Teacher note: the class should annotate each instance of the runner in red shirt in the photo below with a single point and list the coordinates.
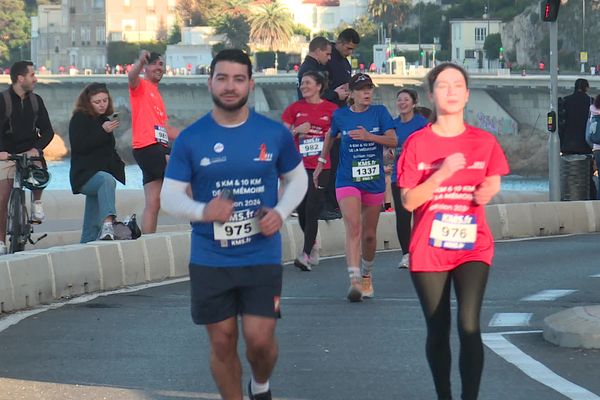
(309, 120)
(447, 173)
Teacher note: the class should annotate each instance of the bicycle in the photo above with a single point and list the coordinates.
(19, 224)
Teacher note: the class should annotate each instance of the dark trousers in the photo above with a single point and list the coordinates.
(403, 220)
(308, 210)
(330, 198)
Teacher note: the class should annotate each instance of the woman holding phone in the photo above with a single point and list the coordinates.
(95, 164)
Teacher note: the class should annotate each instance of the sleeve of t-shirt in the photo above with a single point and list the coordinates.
(408, 175)
(289, 158)
(288, 115)
(498, 165)
(385, 120)
(138, 90)
(179, 166)
(335, 129)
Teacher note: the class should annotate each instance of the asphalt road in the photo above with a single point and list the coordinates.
(143, 345)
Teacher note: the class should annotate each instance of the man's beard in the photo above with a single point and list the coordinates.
(230, 107)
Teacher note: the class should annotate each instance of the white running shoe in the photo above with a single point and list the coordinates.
(303, 262)
(107, 232)
(37, 211)
(404, 261)
(3, 249)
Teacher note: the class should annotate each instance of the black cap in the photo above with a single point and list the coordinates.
(360, 81)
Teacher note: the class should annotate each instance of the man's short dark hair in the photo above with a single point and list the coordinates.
(349, 35)
(232, 55)
(318, 43)
(19, 68)
(581, 85)
(153, 57)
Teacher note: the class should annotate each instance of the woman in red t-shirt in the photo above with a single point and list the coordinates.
(447, 173)
(309, 120)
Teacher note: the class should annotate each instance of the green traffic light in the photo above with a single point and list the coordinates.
(501, 49)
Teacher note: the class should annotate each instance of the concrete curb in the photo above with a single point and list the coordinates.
(576, 327)
(44, 275)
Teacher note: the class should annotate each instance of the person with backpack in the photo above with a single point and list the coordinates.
(592, 134)
(25, 128)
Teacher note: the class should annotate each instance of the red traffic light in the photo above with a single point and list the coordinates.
(549, 9)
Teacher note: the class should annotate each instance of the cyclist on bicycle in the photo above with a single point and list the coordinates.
(25, 129)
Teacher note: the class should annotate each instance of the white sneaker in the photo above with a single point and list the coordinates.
(404, 261)
(37, 211)
(107, 232)
(303, 262)
(3, 249)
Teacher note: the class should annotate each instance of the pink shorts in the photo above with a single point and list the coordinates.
(366, 198)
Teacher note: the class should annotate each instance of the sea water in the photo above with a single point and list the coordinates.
(59, 171)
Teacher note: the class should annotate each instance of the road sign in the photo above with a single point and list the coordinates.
(583, 56)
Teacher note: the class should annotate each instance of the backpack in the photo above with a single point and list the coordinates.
(128, 229)
(592, 131)
(8, 107)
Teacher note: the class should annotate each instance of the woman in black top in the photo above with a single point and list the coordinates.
(95, 164)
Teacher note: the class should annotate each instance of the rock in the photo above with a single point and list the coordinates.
(56, 150)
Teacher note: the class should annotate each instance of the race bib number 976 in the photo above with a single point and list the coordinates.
(453, 232)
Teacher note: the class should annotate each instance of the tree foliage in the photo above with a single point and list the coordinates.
(492, 45)
(14, 28)
(127, 52)
(231, 19)
(390, 13)
(271, 25)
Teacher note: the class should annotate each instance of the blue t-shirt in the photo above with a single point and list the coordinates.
(248, 160)
(361, 163)
(403, 131)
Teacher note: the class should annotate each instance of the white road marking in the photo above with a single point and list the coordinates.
(548, 295)
(533, 368)
(510, 319)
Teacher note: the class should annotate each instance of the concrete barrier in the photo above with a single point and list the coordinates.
(44, 275)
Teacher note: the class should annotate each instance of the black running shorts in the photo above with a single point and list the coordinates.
(221, 293)
(152, 161)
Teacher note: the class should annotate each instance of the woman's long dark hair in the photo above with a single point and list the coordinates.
(84, 103)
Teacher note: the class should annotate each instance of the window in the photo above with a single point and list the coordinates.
(172, 4)
(151, 23)
(127, 4)
(128, 25)
(150, 5)
(100, 35)
(469, 53)
(480, 34)
(99, 4)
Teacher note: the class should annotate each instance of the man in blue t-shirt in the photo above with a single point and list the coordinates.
(233, 158)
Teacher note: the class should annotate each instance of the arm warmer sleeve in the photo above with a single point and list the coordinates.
(295, 186)
(175, 201)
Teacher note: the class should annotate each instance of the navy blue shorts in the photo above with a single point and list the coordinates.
(221, 293)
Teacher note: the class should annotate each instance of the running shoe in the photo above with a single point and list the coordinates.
(303, 262)
(404, 261)
(37, 211)
(3, 249)
(355, 291)
(260, 396)
(107, 232)
(367, 286)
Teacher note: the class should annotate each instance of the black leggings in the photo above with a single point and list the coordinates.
(309, 209)
(403, 219)
(433, 289)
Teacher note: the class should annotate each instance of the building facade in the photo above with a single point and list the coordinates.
(468, 38)
(76, 32)
(326, 15)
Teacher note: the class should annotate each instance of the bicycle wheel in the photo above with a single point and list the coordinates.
(17, 221)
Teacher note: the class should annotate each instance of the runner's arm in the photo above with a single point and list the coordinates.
(134, 74)
(295, 186)
(175, 200)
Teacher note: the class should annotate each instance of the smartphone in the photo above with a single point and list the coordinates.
(114, 116)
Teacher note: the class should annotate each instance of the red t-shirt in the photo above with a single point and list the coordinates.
(450, 229)
(319, 117)
(148, 115)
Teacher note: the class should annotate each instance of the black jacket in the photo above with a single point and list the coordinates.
(309, 64)
(576, 110)
(24, 135)
(340, 71)
(92, 150)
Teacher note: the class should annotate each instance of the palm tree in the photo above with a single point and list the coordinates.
(389, 12)
(272, 25)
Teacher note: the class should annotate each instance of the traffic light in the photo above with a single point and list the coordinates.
(549, 9)
(422, 53)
